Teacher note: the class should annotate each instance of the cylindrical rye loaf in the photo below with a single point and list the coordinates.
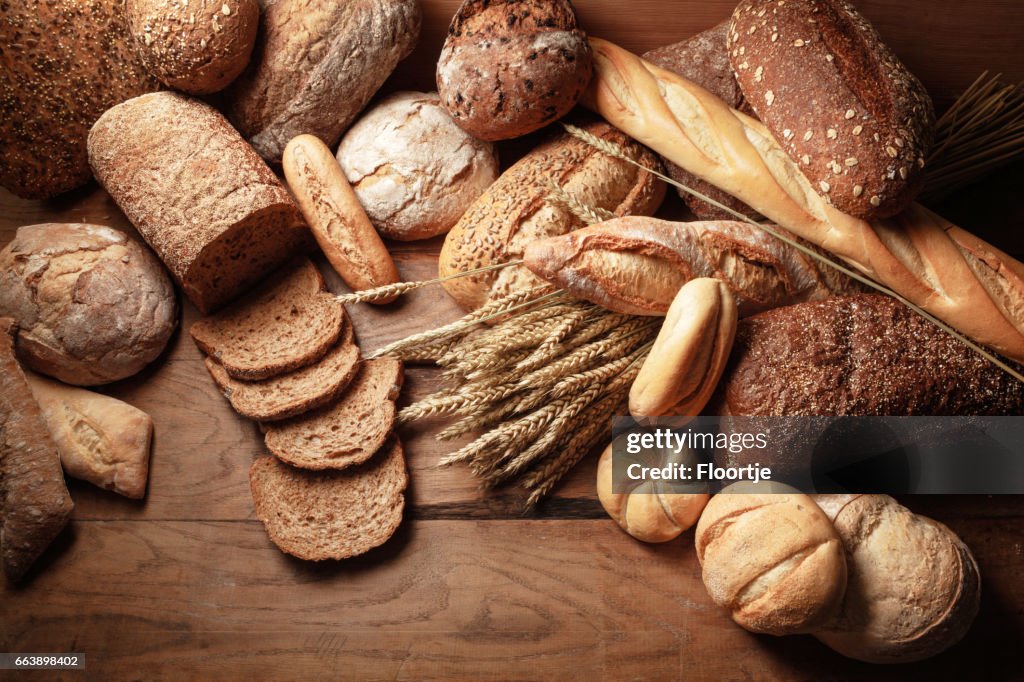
(837, 99)
(196, 47)
(65, 62)
(772, 558)
(414, 170)
(518, 209)
(92, 305)
(316, 65)
(509, 67)
(208, 205)
(913, 588)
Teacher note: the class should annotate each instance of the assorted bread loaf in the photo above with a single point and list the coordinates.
(92, 305)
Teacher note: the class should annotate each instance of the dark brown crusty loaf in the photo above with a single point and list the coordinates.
(840, 103)
(65, 63)
(296, 392)
(210, 207)
(510, 67)
(316, 65)
(858, 355)
(34, 501)
(348, 431)
(286, 324)
(704, 59)
(318, 515)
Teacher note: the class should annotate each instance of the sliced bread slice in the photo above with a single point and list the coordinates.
(317, 515)
(286, 324)
(348, 431)
(296, 392)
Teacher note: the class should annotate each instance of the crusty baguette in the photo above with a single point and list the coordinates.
(339, 223)
(636, 265)
(100, 439)
(952, 274)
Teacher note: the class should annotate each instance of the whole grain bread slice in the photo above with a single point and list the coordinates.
(288, 323)
(34, 501)
(294, 393)
(317, 515)
(346, 432)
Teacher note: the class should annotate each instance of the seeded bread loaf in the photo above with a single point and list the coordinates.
(510, 67)
(286, 324)
(93, 305)
(838, 101)
(208, 205)
(346, 432)
(318, 515)
(315, 67)
(65, 63)
(517, 209)
(34, 502)
(293, 393)
(197, 47)
(100, 439)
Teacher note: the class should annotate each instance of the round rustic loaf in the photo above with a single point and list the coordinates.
(771, 558)
(196, 46)
(517, 209)
(92, 305)
(414, 170)
(839, 102)
(913, 589)
(651, 511)
(510, 67)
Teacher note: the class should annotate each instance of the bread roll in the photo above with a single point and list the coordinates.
(680, 373)
(197, 47)
(913, 588)
(516, 209)
(508, 67)
(93, 306)
(212, 210)
(413, 169)
(651, 511)
(771, 558)
(315, 67)
(837, 100)
(65, 63)
(100, 439)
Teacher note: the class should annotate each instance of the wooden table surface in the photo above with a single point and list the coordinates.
(186, 584)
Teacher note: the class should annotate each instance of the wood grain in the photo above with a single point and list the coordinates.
(186, 585)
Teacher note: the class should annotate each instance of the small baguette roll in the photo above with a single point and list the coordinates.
(682, 370)
(339, 223)
(772, 558)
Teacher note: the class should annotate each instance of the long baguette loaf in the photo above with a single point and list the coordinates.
(952, 274)
(636, 265)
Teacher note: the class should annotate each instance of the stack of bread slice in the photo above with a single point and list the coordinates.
(286, 357)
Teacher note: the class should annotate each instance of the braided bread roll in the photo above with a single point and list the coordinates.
(945, 270)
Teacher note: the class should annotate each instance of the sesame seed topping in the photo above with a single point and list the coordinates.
(787, 133)
(808, 135)
(829, 58)
(226, 10)
(920, 162)
(758, 74)
(891, 151)
(898, 141)
(903, 172)
(875, 200)
(751, 31)
(858, 129)
(744, 66)
(857, 190)
(798, 42)
(831, 133)
(850, 113)
(769, 97)
(805, 159)
(825, 187)
(852, 161)
(775, 36)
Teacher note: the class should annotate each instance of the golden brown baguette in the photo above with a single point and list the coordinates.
(339, 223)
(952, 274)
(636, 265)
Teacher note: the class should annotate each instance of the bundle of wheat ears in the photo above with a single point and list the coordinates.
(542, 381)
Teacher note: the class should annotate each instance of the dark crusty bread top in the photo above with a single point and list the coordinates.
(858, 355)
(288, 323)
(509, 67)
(704, 59)
(836, 98)
(291, 394)
(65, 63)
(348, 431)
(34, 501)
(331, 515)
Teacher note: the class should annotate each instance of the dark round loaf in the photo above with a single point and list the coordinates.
(509, 68)
(196, 47)
(836, 98)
